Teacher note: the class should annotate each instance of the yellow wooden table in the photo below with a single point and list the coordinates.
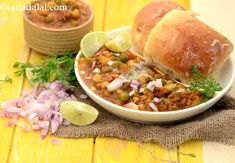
(17, 146)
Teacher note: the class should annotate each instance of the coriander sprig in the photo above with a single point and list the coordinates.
(207, 86)
(53, 68)
(7, 79)
(21, 68)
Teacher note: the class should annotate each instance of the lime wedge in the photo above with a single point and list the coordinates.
(78, 113)
(120, 42)
(92, 42)
(30, 76)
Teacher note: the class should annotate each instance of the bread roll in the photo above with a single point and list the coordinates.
(180, 40)
(146, 19)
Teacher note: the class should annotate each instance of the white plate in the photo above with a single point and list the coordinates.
(225, 77)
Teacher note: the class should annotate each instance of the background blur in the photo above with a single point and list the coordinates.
(219, 14)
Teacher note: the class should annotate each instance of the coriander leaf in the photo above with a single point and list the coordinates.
(53, 68)
(6, 79)
(196, 73)
(206, 86)
(21, 68)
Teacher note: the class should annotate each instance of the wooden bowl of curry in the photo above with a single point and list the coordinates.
(57, 26)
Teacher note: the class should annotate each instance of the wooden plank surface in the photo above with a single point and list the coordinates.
(12, 49)
(27, 147)
(112, 150)
(191, 147)
(69, 150)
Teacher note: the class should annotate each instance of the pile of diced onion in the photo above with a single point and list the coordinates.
(40, 107)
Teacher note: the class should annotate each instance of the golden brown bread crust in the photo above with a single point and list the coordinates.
(147, 18)
(180, 40)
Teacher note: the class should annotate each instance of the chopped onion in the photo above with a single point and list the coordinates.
(82, 72)
(157, 100)
(10, 123)
(13, 110)
(96, 71)
(93, 64)
(132, 105)
(132, 93)
(53, 87)
(54, 125)
(40, 107)
(135, 84)
(55, 141)
(115, 69)
(180, 90)
(158, 83)
(110, 63)
(140, 65)
(115, 84)
(83, 96)
(35, 127)
(141, 90)
(26, 128)
(116, 54)
(66, 123)
(147, 63)
(152, 106)
(151, 86)
(61, 120)
(33, 118)
(44, 125)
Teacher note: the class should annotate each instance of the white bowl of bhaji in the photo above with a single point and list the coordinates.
(149, 88)
(129, 87)
(54, 27)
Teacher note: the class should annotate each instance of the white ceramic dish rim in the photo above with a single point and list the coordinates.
(86, 88)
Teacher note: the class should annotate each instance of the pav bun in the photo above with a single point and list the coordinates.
(180, 40)
(147, 18)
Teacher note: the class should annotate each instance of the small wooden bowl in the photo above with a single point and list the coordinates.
(51, 41)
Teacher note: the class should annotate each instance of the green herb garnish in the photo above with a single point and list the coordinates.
(207, 86)
(6, 79)
(22, 68)
(53, 68)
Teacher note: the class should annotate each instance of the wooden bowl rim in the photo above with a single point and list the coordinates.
(65, 29)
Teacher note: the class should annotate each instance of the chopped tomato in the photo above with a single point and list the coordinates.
(130, 55)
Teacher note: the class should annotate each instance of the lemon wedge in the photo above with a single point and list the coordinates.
(78, 113)
(92, 42)
(120, 42)
(30, 76)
